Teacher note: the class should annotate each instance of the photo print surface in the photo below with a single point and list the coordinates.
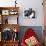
(30, 13)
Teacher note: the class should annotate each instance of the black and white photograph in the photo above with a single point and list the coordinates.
(30, 13)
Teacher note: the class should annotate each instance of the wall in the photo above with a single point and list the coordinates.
(35, 4)
(7, 3)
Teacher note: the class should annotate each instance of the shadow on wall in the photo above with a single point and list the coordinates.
(37, 29)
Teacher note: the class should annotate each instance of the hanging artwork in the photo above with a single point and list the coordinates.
(5, 12)
(29, 13)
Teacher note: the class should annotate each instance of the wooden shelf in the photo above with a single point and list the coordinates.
(4, 24)
(10, 26)
(11, 41)
(9, 8)
(7, 13)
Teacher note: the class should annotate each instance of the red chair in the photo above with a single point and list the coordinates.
(29, 33)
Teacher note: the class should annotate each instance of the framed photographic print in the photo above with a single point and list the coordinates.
(13, 12)
(5, 12)
(30, 13)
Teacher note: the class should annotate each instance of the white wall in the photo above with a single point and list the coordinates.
(35, 4)
(6, 3)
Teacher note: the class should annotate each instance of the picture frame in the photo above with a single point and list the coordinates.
(5, 12)
(13, 12)
(29, 13)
